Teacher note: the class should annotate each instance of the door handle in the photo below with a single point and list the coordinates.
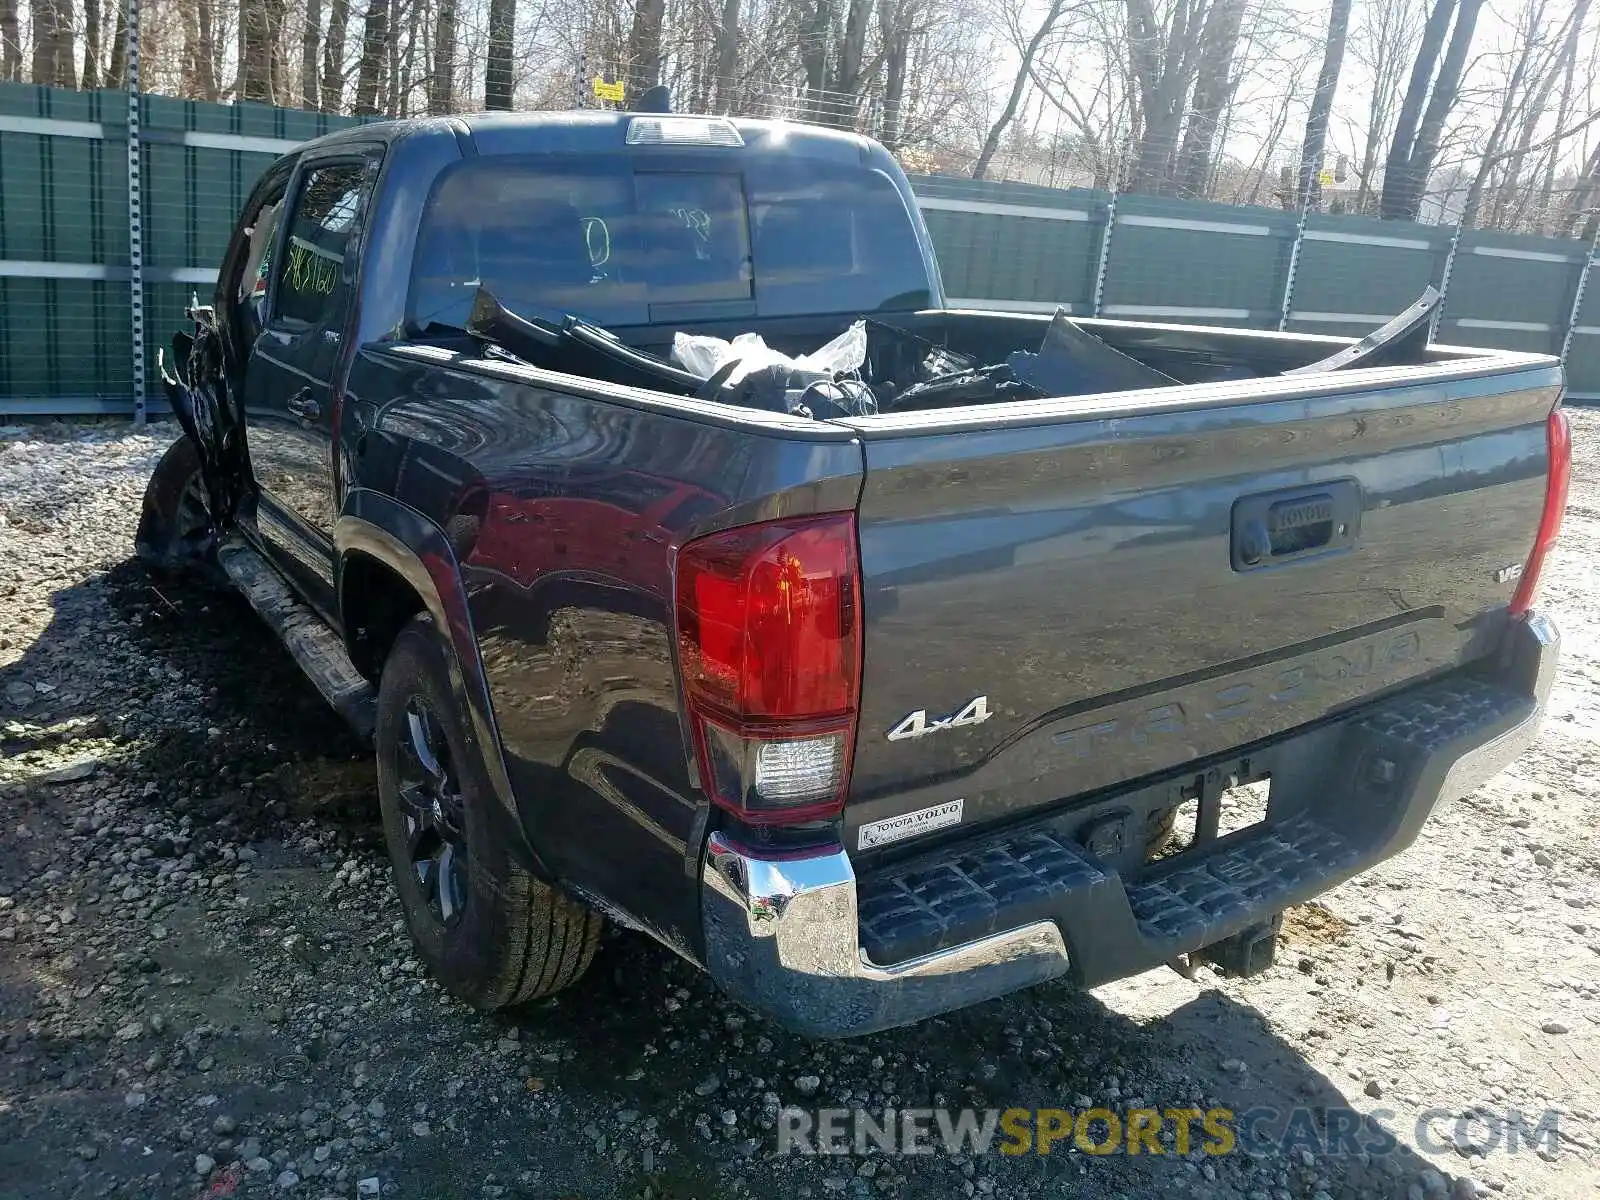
(303, 406)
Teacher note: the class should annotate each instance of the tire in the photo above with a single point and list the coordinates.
(176, 532)
(490, 933)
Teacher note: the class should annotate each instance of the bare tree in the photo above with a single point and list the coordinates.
(815, 27)
(644, 44)
(255, 51)
(91, 45)
(1163, 59)
(333, 56)
(10, 42)
(310, 51)
(894, 17)
(53, 52)
(498, 82)
(1019, 83)
(1213, 88)
(374, 53)
(1310, 181)
(1418, 132)
(442, 82)
(727, 53)
(1384, 44)
(848, 63)
(119, 48)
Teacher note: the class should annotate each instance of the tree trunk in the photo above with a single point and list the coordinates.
(53, 50)
(255, 52)
(374, 45)
(333, 56)
(1416, 142)
(1213, 88)
(1019, 84)
(728, 55)
(310, 48)
(277, 67)
(814, 30)
(119, 48)
(1164, 75)
(210, 51)
(10, 43)
(892, 21)
(847, 68)
(189, 63)
(442, 82)
(498, 82)
(1322, 105)
(91, 45)
(1397, 165)
(391, 101)
(644, 45)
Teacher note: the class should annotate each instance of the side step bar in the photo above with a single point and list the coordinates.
(318, 650)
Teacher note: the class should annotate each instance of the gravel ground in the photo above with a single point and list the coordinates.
(205, 989)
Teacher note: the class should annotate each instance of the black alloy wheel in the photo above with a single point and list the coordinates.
(432, 804)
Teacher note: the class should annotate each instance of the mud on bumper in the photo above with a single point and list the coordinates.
(828, 954)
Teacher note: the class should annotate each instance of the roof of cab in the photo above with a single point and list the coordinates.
(599, 131)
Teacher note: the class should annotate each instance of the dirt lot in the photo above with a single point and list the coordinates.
(205, 990)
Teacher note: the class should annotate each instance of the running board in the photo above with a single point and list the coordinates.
(318, 650)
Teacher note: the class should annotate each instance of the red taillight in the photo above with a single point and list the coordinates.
(769, 637)
(1559, 436)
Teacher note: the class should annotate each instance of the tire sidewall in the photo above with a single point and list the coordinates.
(468, 956)
(156, 539)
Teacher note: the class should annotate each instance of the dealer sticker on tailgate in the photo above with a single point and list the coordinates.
(924, 820)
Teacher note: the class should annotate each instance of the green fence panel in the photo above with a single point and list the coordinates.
(1013, 245)
(1511, 292)
(1197, 263)
(1357, 272)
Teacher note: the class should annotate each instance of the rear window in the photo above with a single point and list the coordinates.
(620, 244)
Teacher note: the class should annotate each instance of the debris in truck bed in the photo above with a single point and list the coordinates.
(824, 383)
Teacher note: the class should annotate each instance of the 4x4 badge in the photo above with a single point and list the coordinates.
(917, 724)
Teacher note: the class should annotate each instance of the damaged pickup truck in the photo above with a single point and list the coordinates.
(692, 566)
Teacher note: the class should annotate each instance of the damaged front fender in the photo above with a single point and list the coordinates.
(194, 494)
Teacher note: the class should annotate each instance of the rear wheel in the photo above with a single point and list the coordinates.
(491, 933)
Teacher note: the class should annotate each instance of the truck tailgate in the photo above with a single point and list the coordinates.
(1065, 596)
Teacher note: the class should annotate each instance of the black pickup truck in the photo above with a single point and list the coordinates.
(876, 687)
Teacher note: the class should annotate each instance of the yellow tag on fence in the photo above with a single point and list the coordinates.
(608, 91)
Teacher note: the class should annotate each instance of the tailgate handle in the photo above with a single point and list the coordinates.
(1276, 527)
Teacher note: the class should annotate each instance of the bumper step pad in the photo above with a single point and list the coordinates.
(1194, 904)
(951, 896)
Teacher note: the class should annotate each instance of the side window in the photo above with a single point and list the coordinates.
(322, 230)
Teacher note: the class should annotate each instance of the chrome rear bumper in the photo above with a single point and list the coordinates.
(783, 934)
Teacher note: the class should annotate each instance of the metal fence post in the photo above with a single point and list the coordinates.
(1105, 252)
(135, 216)
(1577, 296)
(1444, 285)
(1294, 259)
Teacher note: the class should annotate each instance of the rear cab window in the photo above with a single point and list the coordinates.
(625, 242)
